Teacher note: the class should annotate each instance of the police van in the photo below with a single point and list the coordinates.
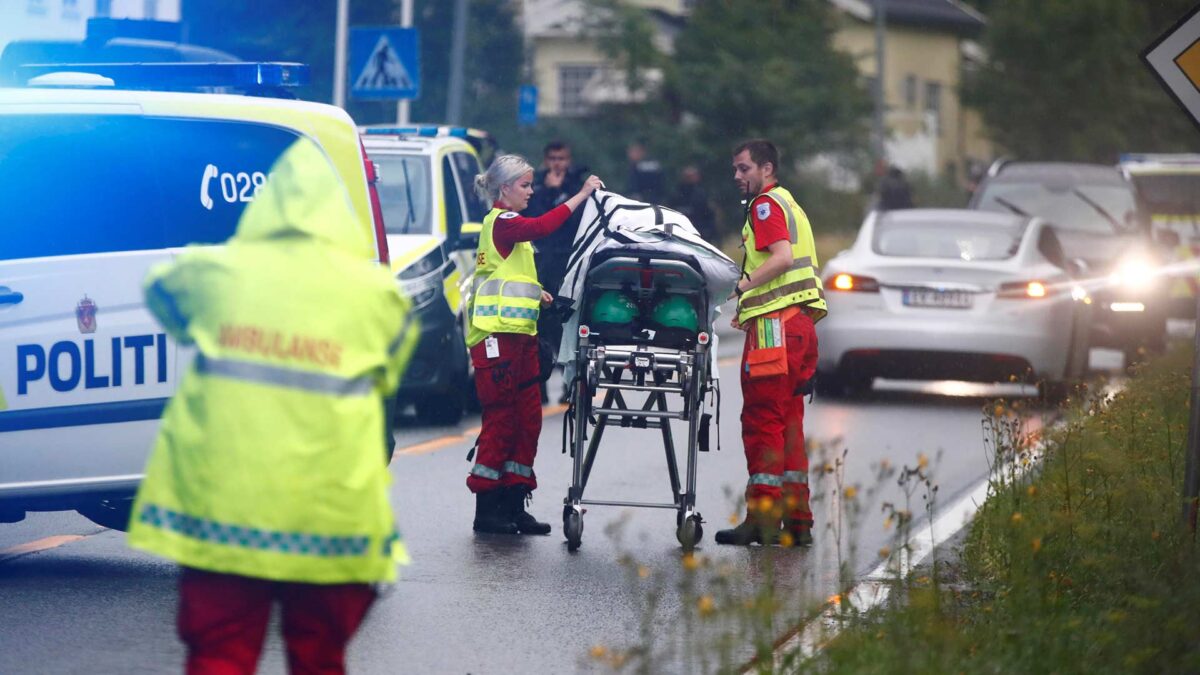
(105, 175)
(433, 219)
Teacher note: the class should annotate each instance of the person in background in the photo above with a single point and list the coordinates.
(553, 184)
(645, 175)
(894, 191)
(691, 199)
(502, 338)
(779, 299)
(268, 481)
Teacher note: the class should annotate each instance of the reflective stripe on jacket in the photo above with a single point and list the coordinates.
(800, 285)
(507, 297)
(270, 461)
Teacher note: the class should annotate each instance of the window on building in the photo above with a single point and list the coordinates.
(149, 9)
(571, 82)
(910, 92)
(933, 105)
(103, 8)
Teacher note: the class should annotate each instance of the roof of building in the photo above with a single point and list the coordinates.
(951, 15)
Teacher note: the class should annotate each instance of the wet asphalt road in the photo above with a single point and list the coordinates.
(488, 604)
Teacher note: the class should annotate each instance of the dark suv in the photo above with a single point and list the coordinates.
(1105, 232)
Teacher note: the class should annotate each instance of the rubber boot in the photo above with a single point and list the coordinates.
(800, 532)
(491, 516)
(755, 529)
(526, 523)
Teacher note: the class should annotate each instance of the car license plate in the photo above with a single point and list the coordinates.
(919, 297)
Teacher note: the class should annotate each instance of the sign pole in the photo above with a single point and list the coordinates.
(1174, 59)
(339, 53)
(406, 19)
(1191, 480)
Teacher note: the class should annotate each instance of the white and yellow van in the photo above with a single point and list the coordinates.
(432, 217)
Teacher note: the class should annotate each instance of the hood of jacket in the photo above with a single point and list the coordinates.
(304, 197)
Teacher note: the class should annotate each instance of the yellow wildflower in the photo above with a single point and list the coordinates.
(706, 605)
(1032, 490)
(1036, 544)
(851, 492)
(599, 651)
(885, 552)
(643, 571)
(689, 562)
(1017, 518)
(922, 460)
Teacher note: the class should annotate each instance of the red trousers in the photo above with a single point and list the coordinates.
(223, 622)
(773, 422)
(512, 413)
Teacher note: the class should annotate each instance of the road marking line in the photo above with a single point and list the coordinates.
(441, 442)
(38, 545)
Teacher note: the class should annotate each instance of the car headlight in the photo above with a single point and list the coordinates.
(422, 280)
(1133, 273)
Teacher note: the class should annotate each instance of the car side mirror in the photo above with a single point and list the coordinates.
(468, 236)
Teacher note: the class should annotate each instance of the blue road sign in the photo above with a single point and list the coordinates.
(527, 105)
(385, 63)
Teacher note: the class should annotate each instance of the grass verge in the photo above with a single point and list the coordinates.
(1080, 565)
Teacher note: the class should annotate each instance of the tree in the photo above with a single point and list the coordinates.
(286, 30)
(1064, 80)
(740, 68)
(492, 67)
(303, 30)
(768, 68)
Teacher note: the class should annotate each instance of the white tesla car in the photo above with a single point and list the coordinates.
(952, 294)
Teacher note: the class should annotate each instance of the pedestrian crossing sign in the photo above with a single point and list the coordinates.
(1175, 60)
(384, 63)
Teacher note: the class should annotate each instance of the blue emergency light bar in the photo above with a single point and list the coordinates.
(181, 76)
(427, 130)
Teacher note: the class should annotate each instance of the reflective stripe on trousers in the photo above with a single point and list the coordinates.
(510, 466)
(795, 477)
(519, 469)
(766, 479)
(289, 378)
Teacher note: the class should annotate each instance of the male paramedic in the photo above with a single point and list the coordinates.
(779, 299)
(268, 481)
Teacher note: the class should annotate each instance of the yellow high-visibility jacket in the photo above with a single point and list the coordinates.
(270, 461)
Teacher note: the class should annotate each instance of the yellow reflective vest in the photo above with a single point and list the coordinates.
(800, 285)
(507, 297)
(270, 461)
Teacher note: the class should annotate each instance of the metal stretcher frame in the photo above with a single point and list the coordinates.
(639, 365)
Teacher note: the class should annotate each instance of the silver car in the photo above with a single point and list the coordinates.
(952, 294)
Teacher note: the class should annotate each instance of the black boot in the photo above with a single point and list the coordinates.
(491, 515)
(800, 531)
(525, 523)
(752, 530)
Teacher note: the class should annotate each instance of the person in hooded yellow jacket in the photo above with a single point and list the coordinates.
(268, 480)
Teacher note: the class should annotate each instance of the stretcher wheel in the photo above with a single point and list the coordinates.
(573, 528)
(690, 531)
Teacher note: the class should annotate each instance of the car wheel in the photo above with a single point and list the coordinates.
(111, 513)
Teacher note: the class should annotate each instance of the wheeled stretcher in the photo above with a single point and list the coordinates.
(641, 374)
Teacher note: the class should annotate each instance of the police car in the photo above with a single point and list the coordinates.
(433, 218)
(104, 177)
